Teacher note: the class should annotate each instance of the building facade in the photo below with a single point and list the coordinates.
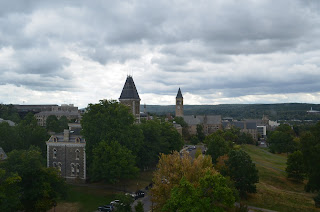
(66, 152)
(130, 97)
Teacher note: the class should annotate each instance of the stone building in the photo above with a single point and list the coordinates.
(69, 111)
(210, 123)
(179, 104)
(130, 97)
(66, 152)
(244, 126)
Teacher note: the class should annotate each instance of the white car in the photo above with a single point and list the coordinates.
(115, 202)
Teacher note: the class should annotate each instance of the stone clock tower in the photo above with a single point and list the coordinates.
(179, 104)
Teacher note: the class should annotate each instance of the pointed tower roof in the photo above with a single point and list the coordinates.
(129, 90)
(179, 94)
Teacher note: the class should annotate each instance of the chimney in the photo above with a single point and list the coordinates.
(66, 135)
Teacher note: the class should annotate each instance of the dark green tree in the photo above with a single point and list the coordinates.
(8, 112)
(40, 186)
(139, 207)
(217, 146)
(200, 133)
(242, 171)
(281, 142)
(112, 162)
(52, 124)
(110, 121)
(125, 203)
(63, 123)
(8, 137)
(295, 166)
(9, 190)
(310, 148)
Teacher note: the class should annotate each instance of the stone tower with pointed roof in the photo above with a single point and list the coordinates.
(179, 104)
(130, 97)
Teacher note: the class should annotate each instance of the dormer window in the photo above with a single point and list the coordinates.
(55, 139)
(77, 154)
(78, 140)
(54, 155)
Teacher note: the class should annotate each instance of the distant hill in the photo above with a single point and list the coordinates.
(286, 111)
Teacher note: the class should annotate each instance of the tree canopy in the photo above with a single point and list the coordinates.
(295, 167)
(175, 175)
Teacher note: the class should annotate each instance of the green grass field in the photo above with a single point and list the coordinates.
(275, 191)
(87, 197)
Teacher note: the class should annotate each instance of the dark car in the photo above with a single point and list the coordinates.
(105, 208)
(139, 194)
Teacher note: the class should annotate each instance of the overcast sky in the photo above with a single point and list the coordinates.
(222, 51)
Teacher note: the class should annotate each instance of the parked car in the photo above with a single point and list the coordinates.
(131, 195)
(105, 208)
(139, 194)
(115, 202)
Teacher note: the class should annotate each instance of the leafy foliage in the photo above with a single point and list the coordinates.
(310, 148)
(281, 140)
(217, 145)
(112, 162)
(110, 121)
(8, 112)
(169, 189)
(40, 186)
(200, 133)
(56, 125)
(139, 207)
(295, 167)
(242, 171)
(9, 188)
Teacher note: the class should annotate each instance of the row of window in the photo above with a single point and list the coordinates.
(54, 154)
(55, 139)
(75, 168)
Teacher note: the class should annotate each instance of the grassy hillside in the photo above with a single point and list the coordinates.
(286, 111)
(275, 191)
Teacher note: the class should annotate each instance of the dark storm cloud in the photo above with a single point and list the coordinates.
(192, 44)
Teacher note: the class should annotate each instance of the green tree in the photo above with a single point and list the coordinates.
(110, 121)
(158, 138)
(184, 125)
(9, 190)
(40, 186)
(125, 203)
(280, 142)
(8, 137)
(139, 207)
(242, 171)
(217, 146)
(63, 123)
(112, 162)
(212, 194)
(295, 167)
(200, 133)
(52, 124)
(9, 112)
(310, 148)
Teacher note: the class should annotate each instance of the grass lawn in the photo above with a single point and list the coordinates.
(87, 197)
(275, 191)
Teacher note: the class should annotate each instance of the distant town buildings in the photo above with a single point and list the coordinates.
(69, 111)
(311, 111)
(66, 152)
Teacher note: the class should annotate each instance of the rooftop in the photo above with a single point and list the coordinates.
(129, 90)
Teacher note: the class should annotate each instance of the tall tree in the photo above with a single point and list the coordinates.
(52, 124)
(242, 171)
(310, 148)
(110, 121)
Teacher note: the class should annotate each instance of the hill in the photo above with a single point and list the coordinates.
(286, 111)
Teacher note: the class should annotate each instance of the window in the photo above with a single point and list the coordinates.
(78, 140)
(59, 166)
(72, 169)
(54, 154)
(55, 139)
(78, 169)
(54, 165)
(77, 154)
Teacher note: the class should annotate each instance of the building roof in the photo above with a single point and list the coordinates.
(179, 94)
(206, 119)
(129, 90)
(240, 124)
(72, 137)
(3, 155)
(11, 123)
